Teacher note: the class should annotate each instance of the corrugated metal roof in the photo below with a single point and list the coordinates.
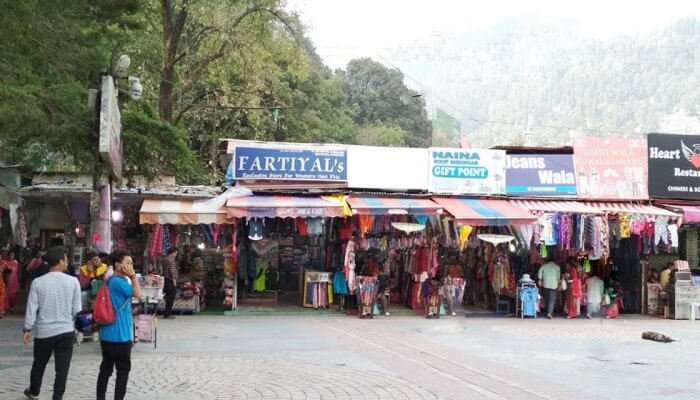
(55, 188)
(536, 149)
(190, 192)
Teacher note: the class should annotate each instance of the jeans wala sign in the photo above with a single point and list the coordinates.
(540, 175)
(674, 166)
(290, 164)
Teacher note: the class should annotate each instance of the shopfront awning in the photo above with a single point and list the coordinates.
(691, 214)
(565, 206)
(180, 212)
(485, 212)
(393, 206)
(632, 208)
(283, 207)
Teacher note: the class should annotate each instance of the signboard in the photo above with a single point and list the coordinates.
(674, 166)
(467, 171)
(110, 142)
(290, 164)
(387, 168)
(611, 168)
(540, 175)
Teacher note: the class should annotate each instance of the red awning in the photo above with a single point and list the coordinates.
(691, 214)
(393, 206)
(486, 212)
(283, 207)
(566, 206)
(180, 212)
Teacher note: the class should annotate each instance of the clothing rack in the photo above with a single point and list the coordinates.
(520, 302)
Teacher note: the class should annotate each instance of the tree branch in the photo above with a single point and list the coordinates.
(192, 103)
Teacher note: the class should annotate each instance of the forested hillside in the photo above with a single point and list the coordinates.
(494, 79)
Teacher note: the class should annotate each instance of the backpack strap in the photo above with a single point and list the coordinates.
(127, 301)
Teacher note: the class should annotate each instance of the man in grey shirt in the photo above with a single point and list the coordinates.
(54, 301)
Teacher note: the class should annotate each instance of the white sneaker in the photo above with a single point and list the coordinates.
(387, 314)
(454, 314)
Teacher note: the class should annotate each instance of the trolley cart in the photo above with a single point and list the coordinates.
(146, 322)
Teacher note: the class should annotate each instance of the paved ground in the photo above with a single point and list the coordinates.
(338, 357)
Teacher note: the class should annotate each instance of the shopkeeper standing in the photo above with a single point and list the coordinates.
(170, 271)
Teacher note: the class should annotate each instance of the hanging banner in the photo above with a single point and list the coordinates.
(540, 175)
(674, 166)
(471, 171)
(611, 168)
(290, 164)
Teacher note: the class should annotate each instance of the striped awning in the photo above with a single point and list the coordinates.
(283, 207)
(485, 212)
(564, 206)
(393, 206)
(180, 212)
(632, 208)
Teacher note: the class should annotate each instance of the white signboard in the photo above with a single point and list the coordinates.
(110, 145)
(387, 168)
(467, 171)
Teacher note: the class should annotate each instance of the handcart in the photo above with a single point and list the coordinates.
(146, 321)
(85, 328)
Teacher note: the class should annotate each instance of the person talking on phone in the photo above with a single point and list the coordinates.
(116, 339)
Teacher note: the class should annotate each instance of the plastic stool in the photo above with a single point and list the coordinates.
(499, 307)
(692, 307)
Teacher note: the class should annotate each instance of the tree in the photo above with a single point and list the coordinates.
(382, 135)
(377, 95)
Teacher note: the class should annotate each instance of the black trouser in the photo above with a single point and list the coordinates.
(114, 355)
(169, 297)
(62, 348)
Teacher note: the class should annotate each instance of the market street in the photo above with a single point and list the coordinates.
(338, 357)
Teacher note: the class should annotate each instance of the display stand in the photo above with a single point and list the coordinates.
(519, 303)
(367, 291)
(313, 278)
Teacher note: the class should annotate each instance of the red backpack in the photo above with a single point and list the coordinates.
(103, 310)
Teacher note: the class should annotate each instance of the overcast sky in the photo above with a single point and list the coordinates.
(347, 29)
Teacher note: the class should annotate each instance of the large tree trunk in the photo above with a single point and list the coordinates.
(172, 32)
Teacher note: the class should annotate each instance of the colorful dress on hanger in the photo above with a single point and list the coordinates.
(574, 294)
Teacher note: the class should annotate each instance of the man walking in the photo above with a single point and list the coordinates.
(170, 271)
(54, 301)
(549, 276)
(116, 339)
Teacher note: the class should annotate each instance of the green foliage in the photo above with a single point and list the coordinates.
(382, 135)
(377, 94)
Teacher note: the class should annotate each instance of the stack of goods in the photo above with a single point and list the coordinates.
(228, 288)
(151, 286)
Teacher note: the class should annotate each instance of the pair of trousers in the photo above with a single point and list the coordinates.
(383, 300)
(169, 290)
(551, 298)
(114, 355)
(61, 346)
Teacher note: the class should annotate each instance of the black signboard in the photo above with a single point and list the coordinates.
(674, 166)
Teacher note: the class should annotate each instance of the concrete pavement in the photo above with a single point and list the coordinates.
(339, 357)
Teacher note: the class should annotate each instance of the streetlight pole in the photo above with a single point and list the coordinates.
(108, 140)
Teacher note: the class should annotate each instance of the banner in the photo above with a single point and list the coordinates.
(540, 175)
(611, 168)
(290, 164)
(674, 166)
(467, 171)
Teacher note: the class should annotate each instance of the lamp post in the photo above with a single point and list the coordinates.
(106, 136)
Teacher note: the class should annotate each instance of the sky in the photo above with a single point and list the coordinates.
(347, 29)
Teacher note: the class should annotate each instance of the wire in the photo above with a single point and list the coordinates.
(222, 107)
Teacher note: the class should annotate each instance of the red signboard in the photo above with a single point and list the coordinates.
(611, 168)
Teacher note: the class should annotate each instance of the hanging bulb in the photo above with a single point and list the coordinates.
(511, 247)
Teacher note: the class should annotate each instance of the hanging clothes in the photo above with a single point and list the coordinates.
(260, 276)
